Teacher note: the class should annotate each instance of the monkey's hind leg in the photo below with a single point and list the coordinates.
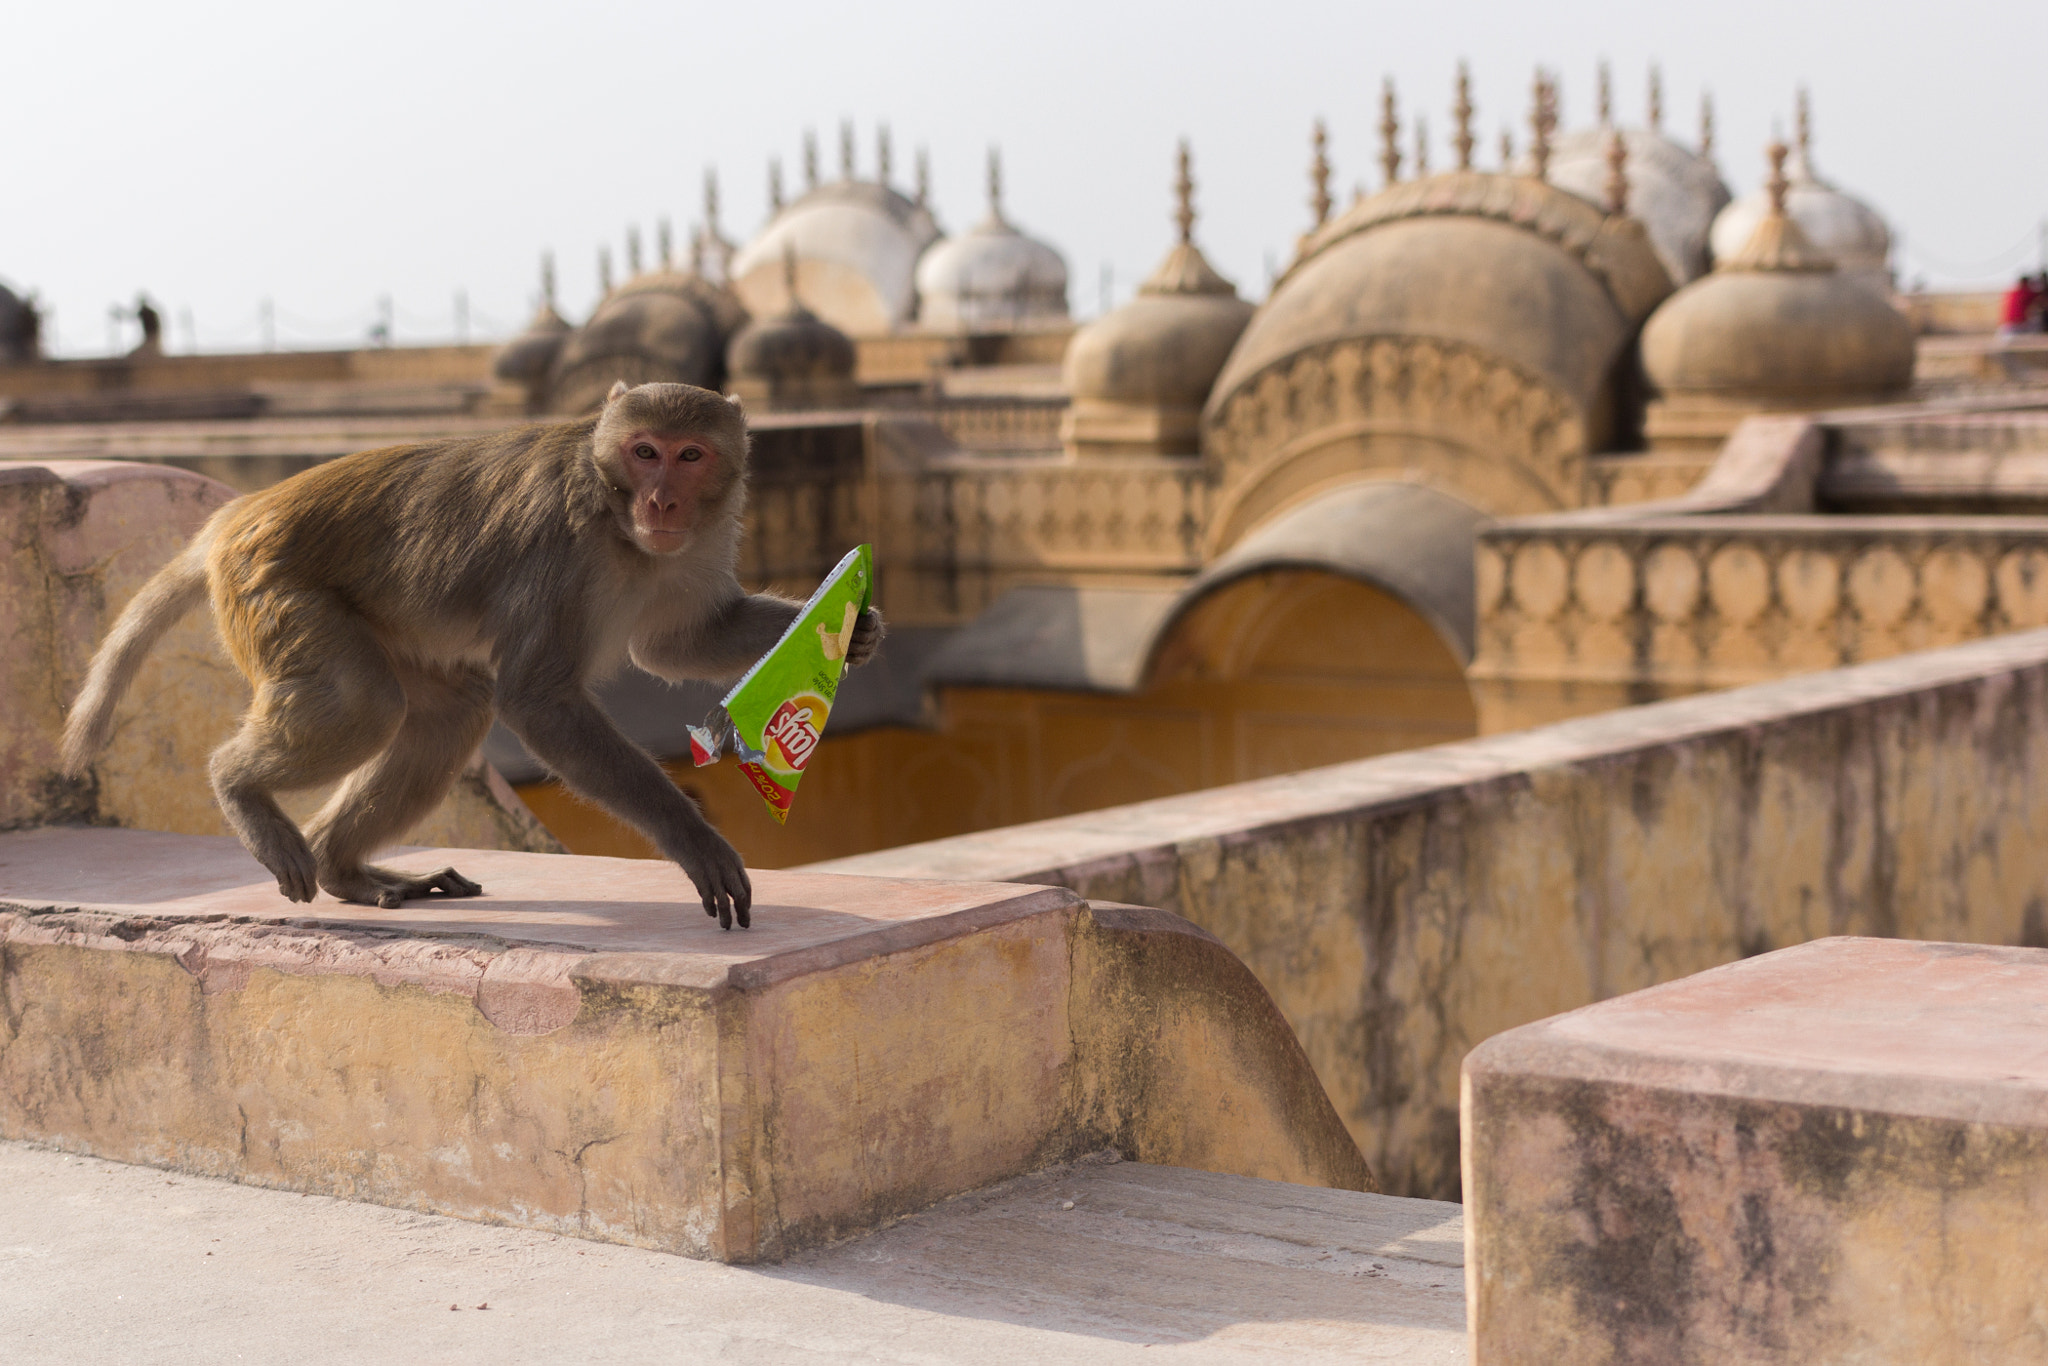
(446, 715)
(299, 732)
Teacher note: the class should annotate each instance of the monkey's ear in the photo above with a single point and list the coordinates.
(734, 400)
(618, 392)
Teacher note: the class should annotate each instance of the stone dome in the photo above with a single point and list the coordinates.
(793, 360)
(1673, 192)
(665, 326)
(857, 247)
(1139, 375)
(1463, 330)
(991, 278)
(1847, 230)
(528, 358)
(1778, 325)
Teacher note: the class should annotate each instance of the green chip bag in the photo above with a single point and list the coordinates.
(774, 716)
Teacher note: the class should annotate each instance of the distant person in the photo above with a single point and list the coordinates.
(2022, 311)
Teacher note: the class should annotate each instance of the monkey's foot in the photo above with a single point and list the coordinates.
(390, 889)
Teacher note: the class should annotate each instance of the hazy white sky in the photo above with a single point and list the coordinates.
(216, 152)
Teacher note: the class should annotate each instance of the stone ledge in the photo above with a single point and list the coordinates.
(582, 1050)
(1834, 1152)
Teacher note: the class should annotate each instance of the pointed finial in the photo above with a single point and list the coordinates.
(774, 185)
(1606, 94)
(810, 159)
(1617, 173)
(1390, 134)
(711, 201)
(604, 270)
(882, 155)
(1802, 124)
(1184, 197)
(632, 251)
(846, 149)
(789, 272)
(1507, 150)
(924, 177)
(1542, 116)
(1461, 116)
(1706, 125)
(995, 184)
(1656, 98)
(697, 252)
(1319, 175)
(1777, 184)
(547, 279)
(665, 243)
(1421, 147)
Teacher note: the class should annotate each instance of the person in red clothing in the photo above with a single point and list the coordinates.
(2022, 312)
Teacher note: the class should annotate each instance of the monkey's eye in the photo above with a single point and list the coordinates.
(691, 453)
(646, 452)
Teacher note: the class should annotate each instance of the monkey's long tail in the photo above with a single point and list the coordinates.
(177, 588)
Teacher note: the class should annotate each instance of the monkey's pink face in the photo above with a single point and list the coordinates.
(675, 482)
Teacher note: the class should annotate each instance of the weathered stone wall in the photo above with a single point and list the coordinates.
(1402, 909)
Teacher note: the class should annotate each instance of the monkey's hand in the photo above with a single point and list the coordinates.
(720, 876)
(867, 637)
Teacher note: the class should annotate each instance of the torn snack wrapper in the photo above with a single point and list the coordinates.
(774, 717)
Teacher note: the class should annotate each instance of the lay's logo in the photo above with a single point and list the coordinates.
(792, 734)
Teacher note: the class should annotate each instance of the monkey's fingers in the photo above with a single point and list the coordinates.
(868, 632)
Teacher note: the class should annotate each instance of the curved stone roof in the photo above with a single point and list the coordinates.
(1166, 345)
(796, 346)
(1671, 191)
(857, 246)
(664, 326)
(1849, 231)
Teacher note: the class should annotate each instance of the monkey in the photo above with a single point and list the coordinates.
(386, 605)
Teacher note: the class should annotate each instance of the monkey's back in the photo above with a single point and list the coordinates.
(428, 543)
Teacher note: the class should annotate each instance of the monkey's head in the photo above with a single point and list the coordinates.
(673, 459)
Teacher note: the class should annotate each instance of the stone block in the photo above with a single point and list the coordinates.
(1835, 1152)
(582, 1050)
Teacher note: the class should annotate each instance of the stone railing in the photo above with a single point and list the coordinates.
(1401, 909)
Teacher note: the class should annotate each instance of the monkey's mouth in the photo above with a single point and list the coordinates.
(662, 540)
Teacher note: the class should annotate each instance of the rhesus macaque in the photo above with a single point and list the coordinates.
(384, 605)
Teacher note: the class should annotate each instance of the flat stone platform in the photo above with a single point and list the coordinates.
(1149, 1264)
(582, 1050)
(1835, 1152)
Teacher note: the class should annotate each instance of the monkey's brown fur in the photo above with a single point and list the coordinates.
(384, 605)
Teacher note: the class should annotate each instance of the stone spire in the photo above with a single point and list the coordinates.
(1656, 99)
(1319, 176)
(1617, 173)
(1802, 135)
(995, 185)
(1542, 122)
(1184, 197)
(665, 242)
(1461, 118)
(924, 177)
(547, 281)
(1507, 150)
(711, 200)
(1390, 134)
(774, 185)
(604, 270)
(1606, 95)
(846, 149)
(882, 154)
(1706, 125)
(632, 251)
(810, 159)
(1421, 147)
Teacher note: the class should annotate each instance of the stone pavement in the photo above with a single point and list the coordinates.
(103, 1262)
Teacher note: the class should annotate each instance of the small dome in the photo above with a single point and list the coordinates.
(1849, 231)
(1777, 323)
(528, 357)
(796, 347)
(991, 278)
(1674, 193)
(857, 246)
(665, 326)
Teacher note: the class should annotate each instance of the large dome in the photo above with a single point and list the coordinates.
(1464, 331)
(991, 278)
(857, 246)
(1673, 192)
(1777, 325)
(665, 326)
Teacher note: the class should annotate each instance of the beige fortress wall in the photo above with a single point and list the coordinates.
(1402, 909)
(77, 540)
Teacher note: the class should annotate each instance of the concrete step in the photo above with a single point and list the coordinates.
(1149, 1264)
(581, 1050)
